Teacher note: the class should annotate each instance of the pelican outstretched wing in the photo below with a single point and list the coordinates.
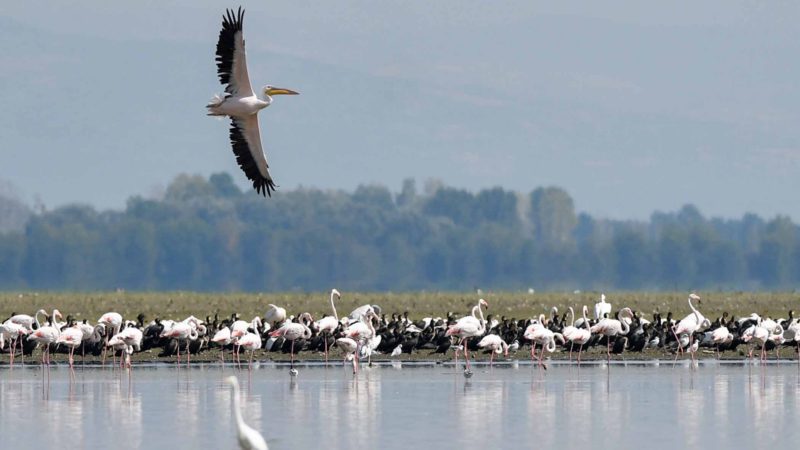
(231, 59)
(246, 142)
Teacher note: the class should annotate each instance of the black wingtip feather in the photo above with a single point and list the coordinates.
(263, 185)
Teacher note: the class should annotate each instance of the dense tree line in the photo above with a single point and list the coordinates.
(208, 235)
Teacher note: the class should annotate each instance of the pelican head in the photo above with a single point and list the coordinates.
(269, 91)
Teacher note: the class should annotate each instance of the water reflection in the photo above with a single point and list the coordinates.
(389, 407)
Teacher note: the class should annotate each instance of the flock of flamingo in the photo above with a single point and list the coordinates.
(366, 331)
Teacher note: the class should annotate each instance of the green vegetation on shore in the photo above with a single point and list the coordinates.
(178, 305)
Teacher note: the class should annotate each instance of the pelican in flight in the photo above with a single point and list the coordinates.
(241, 104)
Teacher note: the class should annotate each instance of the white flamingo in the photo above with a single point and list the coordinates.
(45, 335)
(250, 342)
(349, 348)
(467, 327)
(71, 338)
(580, 336)
(293, 331)
(327, 325)
(275, 315)
(113, 322)
(612, 328)
(182, 331)
(362, 332)
(222, 338)
(495, 344)
(13, 332)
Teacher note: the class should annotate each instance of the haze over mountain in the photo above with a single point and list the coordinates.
(631, 108)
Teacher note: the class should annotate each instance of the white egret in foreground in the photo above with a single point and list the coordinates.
(241, 104)
(249, 439)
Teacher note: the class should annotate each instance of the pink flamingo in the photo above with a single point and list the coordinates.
(720, 336)
(362, 332)
(251, 342)
(612, 328)
(293, 331)
(690, 324)
(239, 329)
(580, 336)
(112, 322)
(72, 338)
(495, 344)
(349, 348)
(182, 331)
(467, 327)
(222, 338)
(327, 325)
(531, 332)
(13, 331)
(45, 335)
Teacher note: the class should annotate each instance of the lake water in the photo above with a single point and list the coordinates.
(394, 407)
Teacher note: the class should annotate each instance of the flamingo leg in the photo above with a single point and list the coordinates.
(466, 354)
(326, 348)
(580, 350)
(491, 359)
(571, 344)
(541, 355)
(356, 356)
(292, 355)
(608, 348)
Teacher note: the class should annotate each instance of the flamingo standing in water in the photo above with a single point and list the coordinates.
(251, 342)
(612, 328)
(293, 331)
(467, 327)
(112, 321)
(579, 336)
(72, 338)
(361, 333)
(327, 325)
(13, 332)
(183, 331)
(495, 344)
(690, 324)
(349, 348)
(249, 439)
(46, 335)
(531, 332)
(239, 329)
(222, 338)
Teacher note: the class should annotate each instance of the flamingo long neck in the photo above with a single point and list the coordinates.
(36, 319)
(624, 325)
(482, 320)
(336, 316)
(695, 311)
(572, 317)
(551, 345)
(585, 320)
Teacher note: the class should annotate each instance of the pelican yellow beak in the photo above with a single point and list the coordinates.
(281, 91)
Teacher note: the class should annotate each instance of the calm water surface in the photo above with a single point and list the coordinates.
(387, 407)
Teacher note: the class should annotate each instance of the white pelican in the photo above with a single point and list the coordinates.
(241, 104)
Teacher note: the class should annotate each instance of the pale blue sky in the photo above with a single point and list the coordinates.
(631, 107)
